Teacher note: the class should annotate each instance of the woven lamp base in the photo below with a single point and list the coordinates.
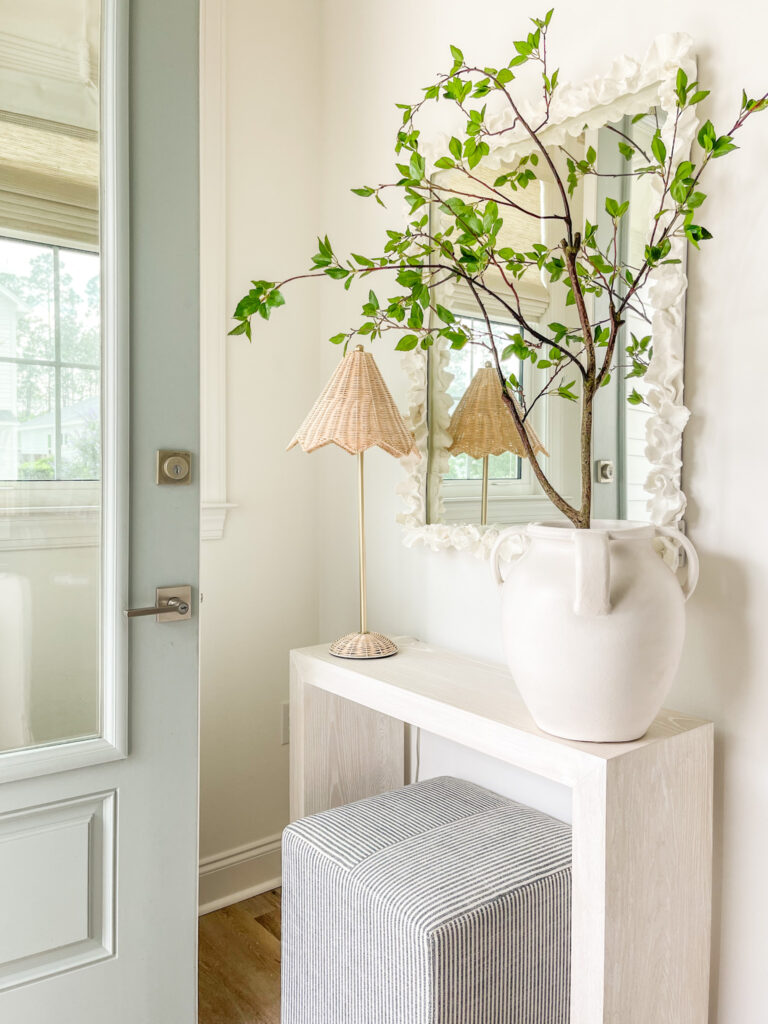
(363, 645)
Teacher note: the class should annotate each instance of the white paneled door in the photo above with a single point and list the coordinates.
(98, 373)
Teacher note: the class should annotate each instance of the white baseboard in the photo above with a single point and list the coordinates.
(239, 873)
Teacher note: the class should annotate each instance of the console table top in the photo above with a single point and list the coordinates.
(472, 701)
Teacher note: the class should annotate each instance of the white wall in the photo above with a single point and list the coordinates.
(370, 60)
(449, 598)
(260, 582)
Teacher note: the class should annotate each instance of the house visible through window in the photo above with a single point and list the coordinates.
(50, 425)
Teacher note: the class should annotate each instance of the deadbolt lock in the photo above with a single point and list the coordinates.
(174, 467)
(606, 471)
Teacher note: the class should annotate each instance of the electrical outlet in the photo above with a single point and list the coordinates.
(285, 723)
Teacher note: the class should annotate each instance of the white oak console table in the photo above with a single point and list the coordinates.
(642, 811)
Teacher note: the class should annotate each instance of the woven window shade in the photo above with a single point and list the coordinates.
(355, 411)
(49, 121)
(482, 423)
(520, 230)
(49, 182)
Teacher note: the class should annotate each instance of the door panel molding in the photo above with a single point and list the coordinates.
(57, 887)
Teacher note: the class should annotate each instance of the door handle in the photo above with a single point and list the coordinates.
(172, 604)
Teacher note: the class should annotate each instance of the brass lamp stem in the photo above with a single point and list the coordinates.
(361, 538)
(484, 498)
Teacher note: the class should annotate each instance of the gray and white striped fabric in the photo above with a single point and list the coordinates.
(440, 903)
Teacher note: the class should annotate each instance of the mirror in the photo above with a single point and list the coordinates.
(466, 485)
(474, 477)
(50, 372)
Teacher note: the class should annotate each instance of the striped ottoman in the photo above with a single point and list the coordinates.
(440, 903)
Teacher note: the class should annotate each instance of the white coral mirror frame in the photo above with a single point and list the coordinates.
(630, 87)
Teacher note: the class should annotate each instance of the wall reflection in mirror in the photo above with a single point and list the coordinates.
(478, 471)
(50, 372)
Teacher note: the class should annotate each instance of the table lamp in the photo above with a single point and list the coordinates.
(356, 412)
(481, 426)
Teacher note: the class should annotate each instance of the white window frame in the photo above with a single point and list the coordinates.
(111, 742)
(62, 513)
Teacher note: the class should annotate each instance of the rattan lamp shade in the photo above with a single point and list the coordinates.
(482, 425)
(355, 412)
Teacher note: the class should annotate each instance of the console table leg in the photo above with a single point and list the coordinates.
(340, 751)
(642, 882)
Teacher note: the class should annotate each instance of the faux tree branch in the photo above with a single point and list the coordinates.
(556, 498)
(469, 249)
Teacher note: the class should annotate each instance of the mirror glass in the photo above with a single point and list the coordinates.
(50, 372)
(461, 488)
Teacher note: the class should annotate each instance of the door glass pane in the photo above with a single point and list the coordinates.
(50, 373)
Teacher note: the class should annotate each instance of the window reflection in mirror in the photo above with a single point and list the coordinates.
(454, 489)
(50, 372)
(463, 364)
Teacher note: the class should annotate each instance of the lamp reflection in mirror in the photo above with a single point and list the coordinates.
(357, 412)
(482, 426)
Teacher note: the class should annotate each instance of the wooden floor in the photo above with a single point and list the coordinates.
(239, 963)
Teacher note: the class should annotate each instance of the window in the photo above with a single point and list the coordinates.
(463, 365)
(50, 423)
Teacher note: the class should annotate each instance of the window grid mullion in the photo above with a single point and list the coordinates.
(57, 361)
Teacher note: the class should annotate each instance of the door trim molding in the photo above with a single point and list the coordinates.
(112, 743)
(213, 270)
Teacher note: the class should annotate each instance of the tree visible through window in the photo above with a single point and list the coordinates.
(50, 424)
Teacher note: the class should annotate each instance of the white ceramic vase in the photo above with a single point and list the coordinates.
(593, 624)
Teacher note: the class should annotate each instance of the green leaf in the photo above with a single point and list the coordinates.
(722, 146)
(457, 55)
(241, 328)
(337, 273)
(364, 191)
(706, 137)
(455, 147)
(445, 163)
(591, 155)
(337, 339)
(635, 398)
(681, 87)
(698, 96)
(456, 338)
(695, 233)
(658, 148)
(626, 150)
(407, 342)
(611, 207)
(444, 314)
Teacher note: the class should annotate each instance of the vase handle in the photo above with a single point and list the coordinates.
(692, 559)
(509, 532)
(593, 573)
